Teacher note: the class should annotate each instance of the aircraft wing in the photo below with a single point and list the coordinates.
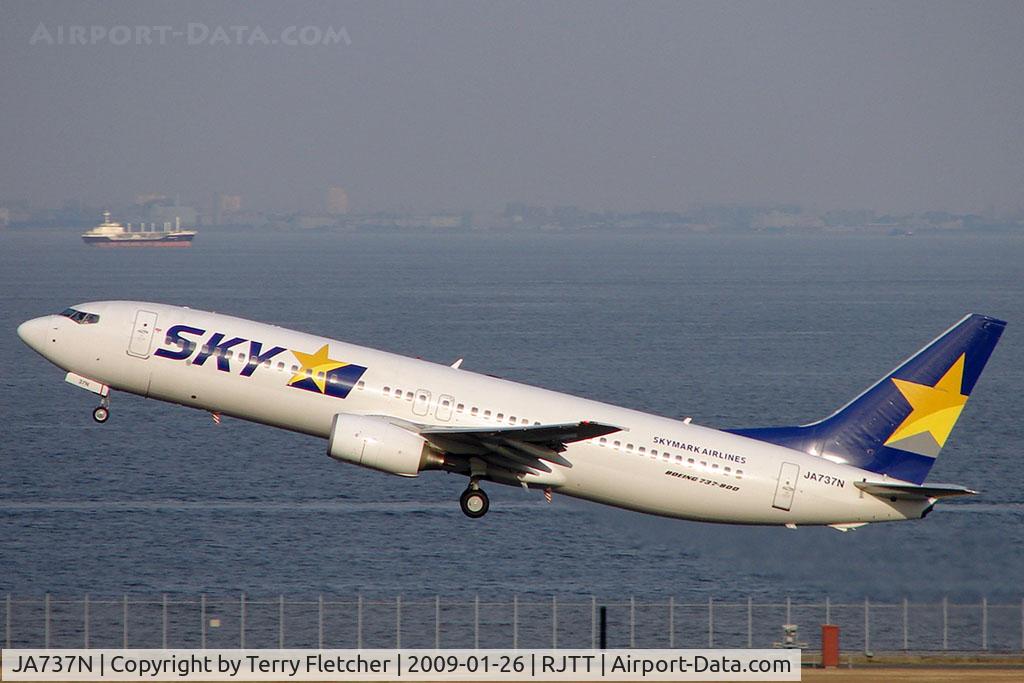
(521, 449)
(892, 489)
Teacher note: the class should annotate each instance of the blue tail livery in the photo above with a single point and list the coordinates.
(898, 426)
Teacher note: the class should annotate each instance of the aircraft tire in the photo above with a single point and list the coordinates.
(101, 414)
(474, 503)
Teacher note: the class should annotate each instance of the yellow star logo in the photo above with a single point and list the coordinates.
(315, 366)
(934, 409)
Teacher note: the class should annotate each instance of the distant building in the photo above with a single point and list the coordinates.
(150, 198)
(337, 200)
(230, 203)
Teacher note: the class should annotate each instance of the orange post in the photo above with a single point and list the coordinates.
(829, 646)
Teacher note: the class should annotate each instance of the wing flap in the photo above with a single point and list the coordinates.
(525, 449)
(908, 491)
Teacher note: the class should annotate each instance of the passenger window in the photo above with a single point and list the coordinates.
(665, 456)
(739, 474)
(679, 458)
(474, 411)
(266, 363)
(629, 447)
(714, 465)
(280, 367)
(728, 469)
(309, 372)
(603, 441)
(408, 396)
(295, 369)
(398, 393)
(360, 384)
(512, 419)
(461, 407)
(644, 450)
(689, 461)
(524, 421)
(320, 375)
(703, 465)
(487, 414)
(445, 403)
(500, 417)
(617, 444)
(241, 357)
(387, 390)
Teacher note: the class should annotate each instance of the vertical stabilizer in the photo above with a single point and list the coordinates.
(900, 424)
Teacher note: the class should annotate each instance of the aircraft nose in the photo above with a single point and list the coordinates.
(33, 332)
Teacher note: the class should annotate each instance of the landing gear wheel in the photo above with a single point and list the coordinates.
(101, 414)
(474, 503)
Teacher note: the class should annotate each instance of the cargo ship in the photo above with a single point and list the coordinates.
(113, 234)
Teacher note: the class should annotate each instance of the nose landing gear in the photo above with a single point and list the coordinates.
(474, 501)
(102, 412)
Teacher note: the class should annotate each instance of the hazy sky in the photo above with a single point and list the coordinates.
(894, 106)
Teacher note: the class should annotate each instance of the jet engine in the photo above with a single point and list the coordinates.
(376, 443)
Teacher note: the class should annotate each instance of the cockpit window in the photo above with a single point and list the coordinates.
(80, 317)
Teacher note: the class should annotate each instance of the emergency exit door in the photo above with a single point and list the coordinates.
(142, 334)
(788, 474)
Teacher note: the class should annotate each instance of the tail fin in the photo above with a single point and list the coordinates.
(898, 426)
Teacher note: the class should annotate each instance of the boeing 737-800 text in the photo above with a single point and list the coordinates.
(865, 463)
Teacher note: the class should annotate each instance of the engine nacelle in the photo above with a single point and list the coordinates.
(376, 443)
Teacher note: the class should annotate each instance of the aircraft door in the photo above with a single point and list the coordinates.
(444, 407)
(421, 404)
(788, 475)
(142, 334)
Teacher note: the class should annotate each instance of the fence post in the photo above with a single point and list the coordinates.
(241, 621)
(750, 622)
(984, 623)
(320, 621)
(359, 622)
(554, 622)
(7, 622)
(604, 627)
(46, 621)
(124, 621)
(828, 610)
(164, 621)
(515, 622)
(711, 621)
(789, 610)
(398, 622)
(632, 622)
(476, 622)
(945, 622)
(906, 626)
(671, 621)
(280, 621)
(202, 617)
(85, 619)
(437, 622)
(593, 622)
(867, 626)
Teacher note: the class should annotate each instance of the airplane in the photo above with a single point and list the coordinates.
(866, 462)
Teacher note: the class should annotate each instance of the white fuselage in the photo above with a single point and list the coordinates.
(655, 464)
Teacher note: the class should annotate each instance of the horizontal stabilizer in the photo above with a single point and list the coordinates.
(890, 489)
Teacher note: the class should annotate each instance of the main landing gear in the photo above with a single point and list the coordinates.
(102, 412)
(474, 501)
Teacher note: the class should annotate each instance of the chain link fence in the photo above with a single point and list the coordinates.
(279, 622)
